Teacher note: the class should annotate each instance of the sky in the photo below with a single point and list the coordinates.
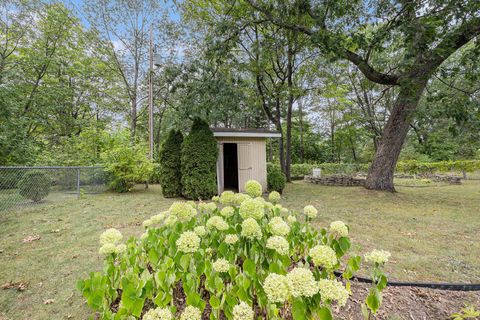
(77, 7)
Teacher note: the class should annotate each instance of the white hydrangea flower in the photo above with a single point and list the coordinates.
(291, 219)
(183, 211)
(310, 211)
(170, 220)
(377, 256)
(323, 256)
(269, 206)
(191, 313)
(216, 199)
(217, 222)
(227, 198)
(284, 211)
(207, 207)
(278, 227)
(200, 231)
(147, 223)
(279, 244)
(331, 290)
(188, 242)
(221, 265)
(164, 314)
(158, 314)
(242, 311)
(110, 236)
(301, 283)
(253, 188)
(239, 198)
(121, 248)
(339, 228)
(251, 229)
(158, 218)
(274, 196)
(227, 211)
(107, 249)
(252, 208)
(276, 288)
(231, 239)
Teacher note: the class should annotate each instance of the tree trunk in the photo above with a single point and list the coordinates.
(133, 115)
(302, 147)
(288, 156)
(380, 174)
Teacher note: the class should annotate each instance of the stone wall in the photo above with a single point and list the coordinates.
(336, 180)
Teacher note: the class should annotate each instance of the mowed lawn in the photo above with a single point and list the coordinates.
(432, 232)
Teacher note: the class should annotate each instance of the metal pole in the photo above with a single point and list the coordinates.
(150, 94)
(78, 183)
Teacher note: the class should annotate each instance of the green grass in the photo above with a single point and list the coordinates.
(432, 233)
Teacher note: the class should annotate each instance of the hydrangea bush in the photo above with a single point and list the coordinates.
(238, 257)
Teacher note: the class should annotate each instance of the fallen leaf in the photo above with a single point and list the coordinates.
(49, 301)
(20, 286)
(31, 238)
(8, 285)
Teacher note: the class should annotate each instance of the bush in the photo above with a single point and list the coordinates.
(170, 165)
(275, 179)
(256, 257)
(199, 162)
(126, 165)
(34, 185)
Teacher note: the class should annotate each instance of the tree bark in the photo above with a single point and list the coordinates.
(380, 174)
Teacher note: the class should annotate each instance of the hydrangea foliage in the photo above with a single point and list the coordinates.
(238, 257)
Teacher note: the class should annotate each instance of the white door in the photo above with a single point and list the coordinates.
(245, 165)
(220, 184)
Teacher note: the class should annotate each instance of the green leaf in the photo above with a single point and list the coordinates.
(249, 267)
(382, 283)
(214, 302)
(374, 300)
(324, 314)
(299, 310)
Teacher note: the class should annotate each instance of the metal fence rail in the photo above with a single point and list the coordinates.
(28, 186)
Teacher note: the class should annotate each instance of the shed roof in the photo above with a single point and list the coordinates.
(247, 132)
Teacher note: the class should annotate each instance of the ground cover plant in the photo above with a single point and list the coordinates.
(238, 257)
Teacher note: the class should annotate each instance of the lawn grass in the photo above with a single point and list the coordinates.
(432, 233)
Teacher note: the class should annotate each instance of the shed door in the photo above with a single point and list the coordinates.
(220, 168)
(245, 165)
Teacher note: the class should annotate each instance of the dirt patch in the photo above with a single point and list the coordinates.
(409, 303)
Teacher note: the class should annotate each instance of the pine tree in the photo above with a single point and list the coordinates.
(170, 165)
(199, 162)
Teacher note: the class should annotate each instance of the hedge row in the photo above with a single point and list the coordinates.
(407, 167)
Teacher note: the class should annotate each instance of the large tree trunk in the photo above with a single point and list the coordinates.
(380, 174)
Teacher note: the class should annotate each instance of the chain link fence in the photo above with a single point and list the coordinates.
(29, 186)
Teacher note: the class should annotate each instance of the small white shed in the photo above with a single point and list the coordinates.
(242, 156)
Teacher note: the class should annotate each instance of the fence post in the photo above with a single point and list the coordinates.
(78, 183)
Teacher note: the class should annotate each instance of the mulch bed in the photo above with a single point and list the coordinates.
(409, 303)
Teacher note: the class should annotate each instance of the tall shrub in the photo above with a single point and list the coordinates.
(126, 165)
(199, 158)
(170, 165)
(34, 185)
(275, 179)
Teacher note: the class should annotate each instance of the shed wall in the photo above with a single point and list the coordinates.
(251, 153)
